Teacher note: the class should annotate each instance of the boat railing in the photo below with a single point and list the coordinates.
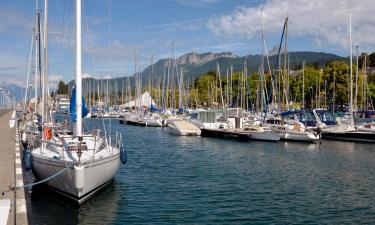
(114, 140)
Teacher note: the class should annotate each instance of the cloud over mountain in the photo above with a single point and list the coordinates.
(325, 22)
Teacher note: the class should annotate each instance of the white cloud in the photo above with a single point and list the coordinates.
(324, 21)
(54, 79)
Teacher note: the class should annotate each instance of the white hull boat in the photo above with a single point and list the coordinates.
(82, 177)
(76, 165)
(260, 133)
(367, 128)
(183, 128)
(153, 122)
(293, 133)
(299, 136)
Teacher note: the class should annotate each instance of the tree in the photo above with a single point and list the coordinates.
(312, 75)
(62, 88)
(370, 59)
(338, 71)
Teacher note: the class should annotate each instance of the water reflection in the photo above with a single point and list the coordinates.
(187, 180)
(51, 208)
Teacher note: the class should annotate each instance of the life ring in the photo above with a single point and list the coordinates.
(47, 133)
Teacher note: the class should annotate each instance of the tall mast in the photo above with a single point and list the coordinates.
(351, 69)
(286, 72)
(180, 85)
(227, 89)
(334, 90)
(28, 72)
(221, 89)
(365, 84)
(78, 69)
(262, 68)
(37, 52)
(45, 73)
(356, 85)
(303, 85)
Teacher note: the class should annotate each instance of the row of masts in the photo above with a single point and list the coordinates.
(222, 92)
(173, 91)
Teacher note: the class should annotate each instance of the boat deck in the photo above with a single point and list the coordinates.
(185, 127)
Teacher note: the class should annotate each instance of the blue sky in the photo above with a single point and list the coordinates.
(113, 30)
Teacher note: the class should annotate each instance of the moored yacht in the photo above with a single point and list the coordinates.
(76, 164)
(294, 125)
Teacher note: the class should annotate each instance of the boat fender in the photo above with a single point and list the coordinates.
(47, 133)
(79, 176)
(24, 140)
(27, 159)
(123, 155)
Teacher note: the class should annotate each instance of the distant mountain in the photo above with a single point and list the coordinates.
(16, 92)
(194, 65)
(199, 59)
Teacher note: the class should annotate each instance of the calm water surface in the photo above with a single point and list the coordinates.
(190, 180)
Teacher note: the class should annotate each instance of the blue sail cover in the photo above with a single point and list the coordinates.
(153, 108)
(291, 112)
(72, 108)
(181, 110)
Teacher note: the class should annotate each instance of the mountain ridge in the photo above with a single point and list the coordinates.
(195, 64)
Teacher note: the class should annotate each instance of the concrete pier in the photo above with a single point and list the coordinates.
(11, 171)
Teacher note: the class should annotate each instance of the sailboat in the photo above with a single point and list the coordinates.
(347, 131)
(75, 164)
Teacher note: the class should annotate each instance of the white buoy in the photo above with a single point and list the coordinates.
(79, 176)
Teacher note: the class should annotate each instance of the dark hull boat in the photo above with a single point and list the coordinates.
(357, 136)
(346, 132)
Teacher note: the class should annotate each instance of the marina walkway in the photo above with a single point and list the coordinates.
(11, 171)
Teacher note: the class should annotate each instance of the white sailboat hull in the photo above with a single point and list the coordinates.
(364, 129)
(152, 122)
(179, 132)
(264, 136)
(97, 174)
(294, 135)
(298, 136)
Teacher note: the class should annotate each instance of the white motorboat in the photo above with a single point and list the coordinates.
(294, 132)
(290, 128)
(369, 127)
(153, 120)
(183, 128)
(207, 119)
(261, 133)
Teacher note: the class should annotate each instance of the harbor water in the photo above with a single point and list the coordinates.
(195, 180)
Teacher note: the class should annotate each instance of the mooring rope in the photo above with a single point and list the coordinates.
(44, 180)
